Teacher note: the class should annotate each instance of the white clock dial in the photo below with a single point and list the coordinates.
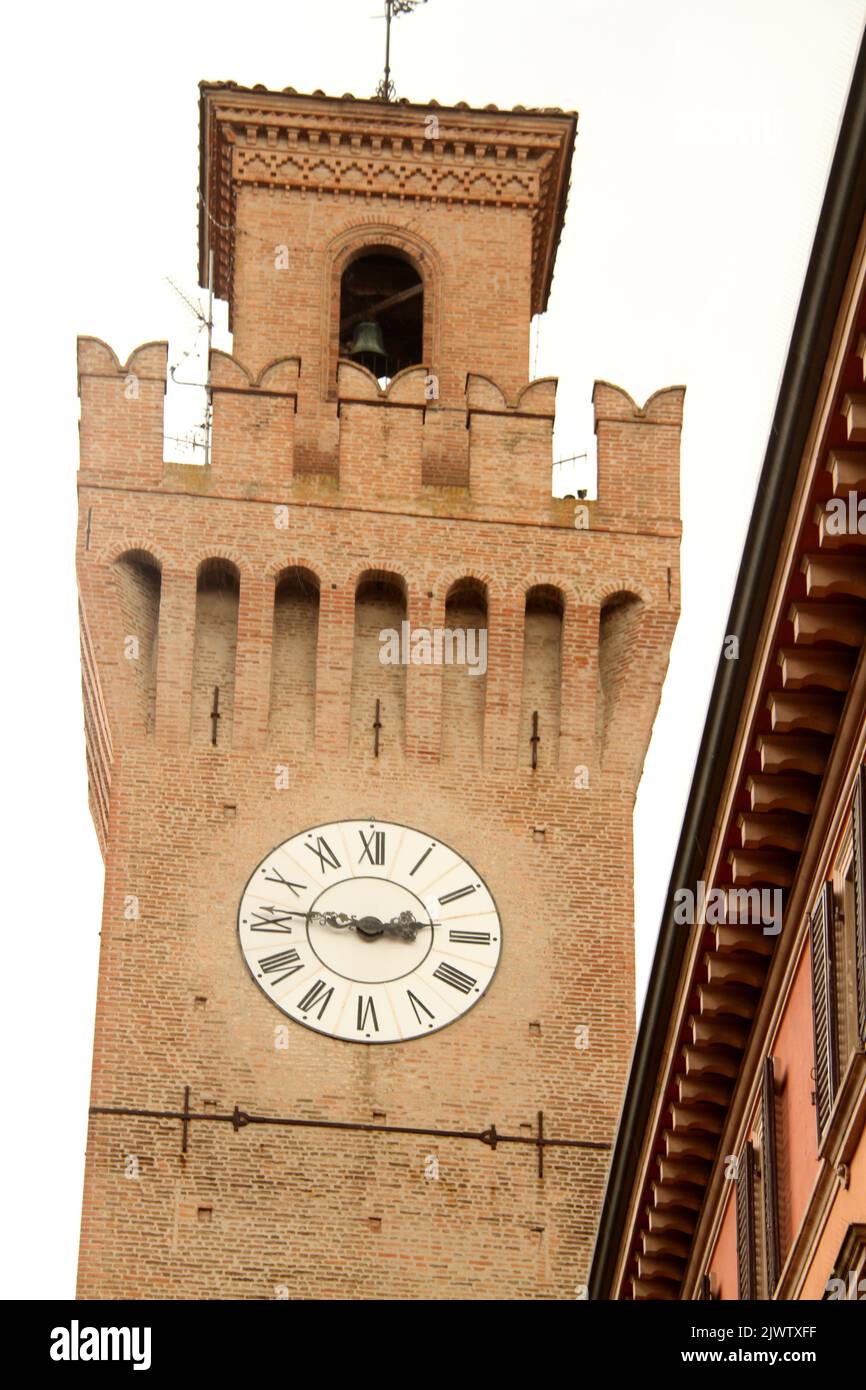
(369, 931)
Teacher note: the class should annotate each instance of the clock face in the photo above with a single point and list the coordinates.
(369, 931)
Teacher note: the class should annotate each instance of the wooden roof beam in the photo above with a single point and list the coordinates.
(847, 467)
(653, 1288)
(783, 793)
(716, 1000)
(671, 1219)
(704, 1090)
(660, 1267)
(754, 866)
(669, 1195)
(854, 410)
(713, 1031)
(791, 712)
(687, 1144)
(772, 831)
(735, 969)
(710, 1061)
(826, 670)
(666, 1243)
(743, 937)
(693, 1117)
(828, 576)
(793, 753)
(828, 622)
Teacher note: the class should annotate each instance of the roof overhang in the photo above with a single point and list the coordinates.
(772, 595)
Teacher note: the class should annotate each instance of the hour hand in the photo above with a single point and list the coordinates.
(341, 920)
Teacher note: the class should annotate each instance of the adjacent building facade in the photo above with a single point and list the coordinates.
(739, 1170)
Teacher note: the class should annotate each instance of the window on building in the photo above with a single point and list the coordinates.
(858, 914)
(825, 1022)
(847, 1279)
(772, 1242)
(747, 1243)
(846, 978)
(838, 951)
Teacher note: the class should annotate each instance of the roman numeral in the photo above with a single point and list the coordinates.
(316, 993)
(458, 893)
(450, 975)
(283, 964)
(374, 847)
(470, 938)
(416, 1005)
(276, 877)
(421, 860)
(324, 853)
(275, 922)
(366, 1007)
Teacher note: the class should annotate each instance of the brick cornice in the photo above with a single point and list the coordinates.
(388, 152)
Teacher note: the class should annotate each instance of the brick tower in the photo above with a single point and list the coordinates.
(378, 458)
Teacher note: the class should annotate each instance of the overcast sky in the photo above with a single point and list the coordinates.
(705, 136)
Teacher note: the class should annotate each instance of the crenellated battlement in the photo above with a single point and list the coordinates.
(193, 561)
(122, 408)
(638, 455)
(490, 455)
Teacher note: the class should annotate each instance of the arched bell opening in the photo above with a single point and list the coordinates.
(382, 312)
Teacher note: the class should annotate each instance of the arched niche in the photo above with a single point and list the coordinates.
(293, 660)
(378, 669)
(139, 582)
(215, 653)
(540, 703)
(464, 671)
(618, 635)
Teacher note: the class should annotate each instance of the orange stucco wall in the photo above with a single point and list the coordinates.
(795, 1117)
(848, 1205)
(723, 1265)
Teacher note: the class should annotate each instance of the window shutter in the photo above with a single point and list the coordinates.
(824, 1008)
(746, 1254)
(858, 812)
(770, 1169)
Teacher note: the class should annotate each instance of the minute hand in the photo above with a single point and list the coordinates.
(404, 927)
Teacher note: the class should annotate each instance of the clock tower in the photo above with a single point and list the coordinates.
(366, 709)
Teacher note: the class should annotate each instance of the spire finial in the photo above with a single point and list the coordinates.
(386, 90)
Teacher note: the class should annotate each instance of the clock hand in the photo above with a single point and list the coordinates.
(404, 926)
(368, 928)
(340, 920)
(282, 916)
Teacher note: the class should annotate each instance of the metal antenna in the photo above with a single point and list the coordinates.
(195, 309)
(208, 417)
(386, 90)
(204, 322)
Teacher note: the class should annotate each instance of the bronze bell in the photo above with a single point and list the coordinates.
(367, 341)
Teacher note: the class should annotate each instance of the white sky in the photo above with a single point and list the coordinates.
(705, 135)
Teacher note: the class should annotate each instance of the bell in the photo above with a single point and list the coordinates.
(367, 341)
